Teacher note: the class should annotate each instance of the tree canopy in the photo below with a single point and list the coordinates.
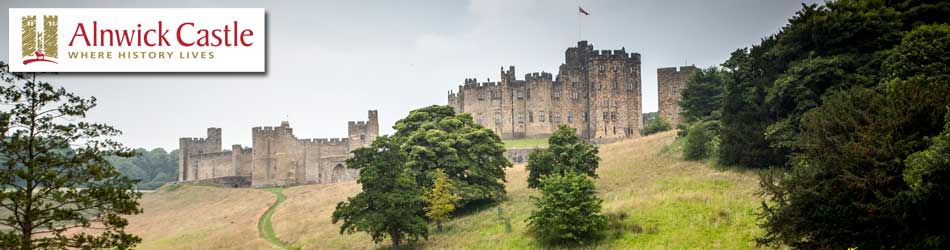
(568, 210)
(390, 203)
(435, 137)
(566, 152)
(55, 174)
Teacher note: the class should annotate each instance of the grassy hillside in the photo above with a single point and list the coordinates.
(664, 203)
(197, 217)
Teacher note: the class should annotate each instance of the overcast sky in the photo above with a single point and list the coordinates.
(330, 61)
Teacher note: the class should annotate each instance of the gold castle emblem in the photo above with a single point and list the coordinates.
(40, 46)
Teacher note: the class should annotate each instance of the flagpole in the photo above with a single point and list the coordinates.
(578, 21)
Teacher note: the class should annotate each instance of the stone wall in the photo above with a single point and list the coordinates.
(596, 92)
(670, 83)
(519, 155)
(278, 157)
(225, 181)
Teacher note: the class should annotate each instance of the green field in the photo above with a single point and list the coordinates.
(655, 201)
(526, 143)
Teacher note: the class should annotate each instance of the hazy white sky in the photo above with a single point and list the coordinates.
(330, 61)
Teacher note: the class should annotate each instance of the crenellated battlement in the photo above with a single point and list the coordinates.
(191, 139)
(325, 141)
(538, 76)
(620, 54)
(671, 70)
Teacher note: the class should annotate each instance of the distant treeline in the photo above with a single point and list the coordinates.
(152, 168)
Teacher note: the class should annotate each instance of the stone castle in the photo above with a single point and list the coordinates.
(277, 157)
(670, 83)
(595, 91)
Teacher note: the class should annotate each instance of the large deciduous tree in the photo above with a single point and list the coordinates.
(472, 156)
(566, 152)
(390, 203)
(55, 174)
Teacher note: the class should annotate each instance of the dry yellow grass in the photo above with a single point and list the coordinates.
(675, 203)
(197, 217)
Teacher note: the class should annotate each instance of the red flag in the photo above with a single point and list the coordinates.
(583, 11)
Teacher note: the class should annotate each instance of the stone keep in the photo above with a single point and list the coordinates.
(277, 157)
(596, 92)
(670, 84)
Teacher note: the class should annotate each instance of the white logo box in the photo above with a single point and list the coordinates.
(129, 40)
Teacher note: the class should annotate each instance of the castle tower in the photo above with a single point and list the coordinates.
(188, 147)
(670, 83)
(275, 156)
(362, 133)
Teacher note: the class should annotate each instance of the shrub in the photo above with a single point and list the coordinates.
(655, 126)
(568, 211)
(699, 142)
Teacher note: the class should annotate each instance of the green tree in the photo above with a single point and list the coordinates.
(54, 175)
(390, 202)
(472, 156)
(702, 95)
(654, 126)
(865, 155)
(568, 210)
(566, 152)
(440, 199)
(699, 141)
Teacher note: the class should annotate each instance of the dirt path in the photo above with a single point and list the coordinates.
(264, 225)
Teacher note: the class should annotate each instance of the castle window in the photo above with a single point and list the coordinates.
(570, 117)
(606, 104)
(574, 94)
(498, 119)
(481, 95)
(520, 94)
(601, 68)
(613, 85)
(557, 117)
(630, 86)
(530, 116)
(613, 116)
(521, 118)
(606, 116)
(615, 130)
(673, 86)
(557, 93)
(541, 116)
(585, 116)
